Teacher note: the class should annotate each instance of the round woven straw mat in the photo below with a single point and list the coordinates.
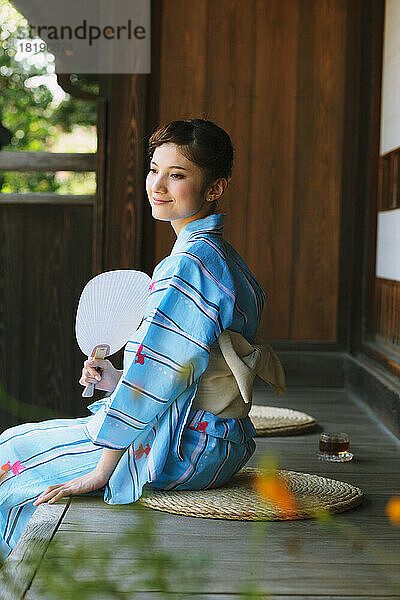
(269, 420)
(238, 500)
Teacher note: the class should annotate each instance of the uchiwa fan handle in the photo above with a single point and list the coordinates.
(88, 391)
(100, 351)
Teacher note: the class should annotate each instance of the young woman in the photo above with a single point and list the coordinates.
(150, 430)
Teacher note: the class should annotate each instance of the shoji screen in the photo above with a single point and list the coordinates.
(387, 282)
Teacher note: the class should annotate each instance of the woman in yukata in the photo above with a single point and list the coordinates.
(149, 429)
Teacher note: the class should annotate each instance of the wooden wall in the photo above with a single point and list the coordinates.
(275, 75)
(45, 260)
(284, 78)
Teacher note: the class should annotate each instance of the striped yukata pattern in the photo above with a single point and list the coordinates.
(201, 288)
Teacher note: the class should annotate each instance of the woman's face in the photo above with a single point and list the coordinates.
(174, 186)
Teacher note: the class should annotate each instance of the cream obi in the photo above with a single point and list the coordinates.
(225, 388)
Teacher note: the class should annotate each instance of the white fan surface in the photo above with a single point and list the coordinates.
(110, 309)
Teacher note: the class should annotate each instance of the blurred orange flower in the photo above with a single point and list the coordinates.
(272, 487)
(393, 510)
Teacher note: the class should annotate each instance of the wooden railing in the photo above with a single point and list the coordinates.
(47, 162)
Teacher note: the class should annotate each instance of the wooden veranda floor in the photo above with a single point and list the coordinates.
(290, 559)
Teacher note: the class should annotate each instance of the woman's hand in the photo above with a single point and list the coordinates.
(106, 380)
(80, 485)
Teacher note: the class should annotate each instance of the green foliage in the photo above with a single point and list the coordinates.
(81, 570)
(29, 112)
(25, 111)
(78, 112)
(28, 182)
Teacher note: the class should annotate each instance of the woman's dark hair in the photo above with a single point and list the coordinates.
(203, 143)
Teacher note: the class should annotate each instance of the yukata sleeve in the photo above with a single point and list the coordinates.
(187, 309)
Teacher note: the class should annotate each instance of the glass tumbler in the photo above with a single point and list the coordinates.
(334, 447)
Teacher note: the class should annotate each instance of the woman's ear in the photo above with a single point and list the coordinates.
(218, 188)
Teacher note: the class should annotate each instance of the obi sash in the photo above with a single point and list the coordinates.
(225, 387)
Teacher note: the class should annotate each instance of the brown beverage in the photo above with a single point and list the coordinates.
(334, 446)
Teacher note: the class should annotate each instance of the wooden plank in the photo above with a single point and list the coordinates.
(103, 521)
(365, 454)
(320, 83)
(50, 198)
(368, 517)
(21, 564)
(346, 424)
(373, 506)
(233, 544)
(309, 463)
(218, 596)
(46, 255)
(100, 202)
(249, 33)
(12, 224)
(349, 277)
(294, 558)
(126, 95)
(57, 256)
(183, 45)
(274, 65)
(335, 406)
(373, 399)
(151, 124)
(47, 161)
(369, 189)
(307, 442)
(304, 577)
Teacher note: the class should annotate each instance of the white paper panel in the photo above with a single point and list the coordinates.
(388, 245)
(390, 104)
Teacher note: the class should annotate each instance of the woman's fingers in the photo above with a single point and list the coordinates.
(90, 378)
(96, 362)
(80, 485)
(87, 380)
(91, 372)
(89, 375)
(58, 495)
(101, 373)
(51, 494)
(94, 374)
(44, 496)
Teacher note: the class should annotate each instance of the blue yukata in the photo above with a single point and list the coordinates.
(200, 289)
